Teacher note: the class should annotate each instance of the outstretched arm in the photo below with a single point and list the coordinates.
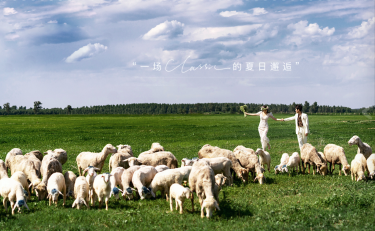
(271, 116)
(252, 114)
(290, 118)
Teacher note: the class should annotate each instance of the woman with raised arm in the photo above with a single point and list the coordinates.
(263, 125)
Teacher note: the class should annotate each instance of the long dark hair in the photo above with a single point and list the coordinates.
(264, 106)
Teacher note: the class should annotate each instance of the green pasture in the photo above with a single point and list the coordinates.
(297, 202)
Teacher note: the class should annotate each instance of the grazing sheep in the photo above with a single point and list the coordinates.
(163, 180)
(283, 162)
(13, 191)
(126, 180)
(36, 154)
(85, 159)
(358, 170)
(336, 155)
(363, 148)
(50, 165)
(143, 177)
(208, 151)
(70, 179)
(249, 160)
(294, 162)
(221, 165)
(219, 182)
(361, 158)
(3, 170)
(91, 174)
(9, 158)
(117, 159)
(116, 180)
(202, 182)
(81, 193)
(158, 158)
(310, 156)
(114, 190)
(22, 178)
(179, 193)
(102, 189)
(36, 157)
(371, 165)
(161, 168)
(59, 154)
(55, 187)
(264, 158)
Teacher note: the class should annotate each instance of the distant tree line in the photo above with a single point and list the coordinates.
(154, 108)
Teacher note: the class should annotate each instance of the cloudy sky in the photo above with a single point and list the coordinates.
(97, 52)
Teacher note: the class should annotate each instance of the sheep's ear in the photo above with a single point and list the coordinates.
(84, 202)
(26, 206)
(14, 207)
(30, 185)
(134, 190)
(74, 204)
(255, 179)
(217, 206)
(96, 169)
(61, 193)
(120, 190)
(84, 171)
(125, 160)
(153, 194)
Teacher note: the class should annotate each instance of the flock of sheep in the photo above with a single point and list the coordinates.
(157, 170)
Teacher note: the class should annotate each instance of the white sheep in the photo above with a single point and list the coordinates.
(117, 159)
(294, 162)
(36, 157)
(155, 147)
(336, 155)
(13, 191)
(157, 158)
(116, 180)
(70, 179)
(221, 165)
(81, 193)
(143, 177)
(210, 204)
(3, 170)
(36, 153)
(249, 160)
(161, 168)
(85, 159)
(371, 165)
(91, 174)
(102, 189)
(264, 158)
(59, 154)
(363, 148)
(283, 163)
(310, 156)
(126, 181)
(361, 158)
(50, 165)
(179, 193)
(163, 180)
(22, 178)
(358, 170)
(219, 182)
(10, 155)
(55, 187)
(188, 162)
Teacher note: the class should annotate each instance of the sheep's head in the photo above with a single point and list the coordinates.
(145, 192)
(353, 140)
(115, 191)
(322, 169)
(156, 147)
(128, 193)
(133, 161)
(346, 169)
(284, 168)
(372, 175)
(41, 191)
(78, 202)
(259, 151)
(110, 149)
(210, 204)
(187, 192)
(70, 193)
(19, 204)
(244, 174)
(220, 179)
(361, 177)
(106, 177)
(261, 178)
(91, 170)
(277, 169)
(54, 194)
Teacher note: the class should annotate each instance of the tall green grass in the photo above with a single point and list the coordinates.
(297, 202)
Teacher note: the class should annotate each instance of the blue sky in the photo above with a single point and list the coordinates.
(83, 52)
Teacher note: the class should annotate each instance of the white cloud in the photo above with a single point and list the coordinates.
(259, 11)
(362, 30)
(9, 11)
(12, 37)
(52, 21)
(350, 54)
(303, 33)
(243, 15)
(196, 34)
(165, 30)
(86, 52)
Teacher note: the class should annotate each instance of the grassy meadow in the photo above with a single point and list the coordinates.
(297, 202)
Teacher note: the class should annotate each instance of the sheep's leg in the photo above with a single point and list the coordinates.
(339, 169)
(100, 203)
(181, 209)
(352, 176)
(171, 203)
(106, 203)
(333, 168)
(28, 191)
(308, 168)
(11, 207)
(313, 169)
(50, 199)
(79, 170)
(202, 213)
(192, 202)
(64, 196)
(5, 203)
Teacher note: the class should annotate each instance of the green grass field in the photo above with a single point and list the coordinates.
(299, 202)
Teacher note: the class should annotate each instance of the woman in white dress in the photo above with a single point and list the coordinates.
(263, 125)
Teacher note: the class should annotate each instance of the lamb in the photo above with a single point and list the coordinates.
(208, 151)
(202, 182)
(336, 155)
(361, 158)
(116, 180)
(55, 187)
(294, 162)
(36, 157)
(22, 178)
(158, 158)
(117, 160)
(70, 179)
(363, 148)
(283, 162)
(143, 177)
(163, 180)
(13, 191)
(371, 165)
(309, 156)
(50, 165)
(249, 160)
(126, 180)
(221, 165)
(188, 162)
(85, 159)
(81, 192)
(59, 154)
(3, 170)
(102, 189)
(37, 154)
(264, 158)
(161, 168)
(358, 170)
(91, 174)
(219, 182)
(179, 193)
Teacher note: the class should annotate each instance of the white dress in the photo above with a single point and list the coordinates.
(263, 128)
